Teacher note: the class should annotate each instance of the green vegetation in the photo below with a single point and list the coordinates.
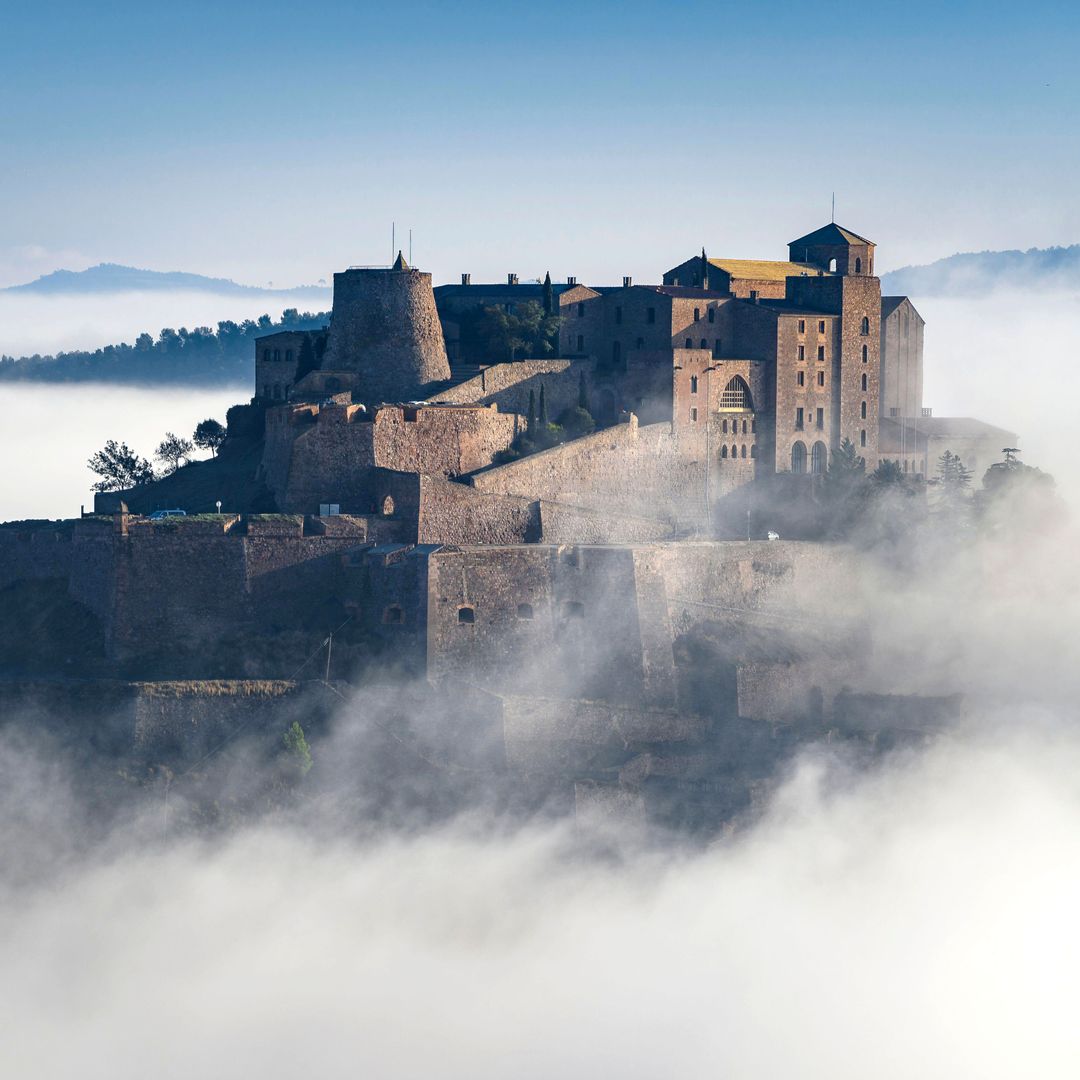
(201, 356)
(297, 750)
(119, 467)
(172, 451)
(541, 434)
(209, 435)
(493, 334)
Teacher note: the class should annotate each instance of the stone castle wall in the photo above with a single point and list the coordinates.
(385, 327)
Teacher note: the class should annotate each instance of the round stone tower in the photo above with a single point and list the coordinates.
(385, 329)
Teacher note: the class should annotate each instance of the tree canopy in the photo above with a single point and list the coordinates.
(119, 467)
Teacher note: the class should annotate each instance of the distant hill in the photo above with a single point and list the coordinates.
(112, 278)
(976, 272)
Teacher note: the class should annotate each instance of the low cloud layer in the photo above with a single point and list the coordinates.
(916, 922)
(51, 429)
(32, 324)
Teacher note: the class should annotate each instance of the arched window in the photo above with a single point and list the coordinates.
(858, 265)
(862, 437)
(744, 427)
(753, 423)
(277, 354)
(723, 451)
(734, 450)
(863, 410)
(736, 395)
(466, 615)
(864, 382)
(697, 314)
(865, 321)
(819, 459)
(753, 451)
(742, 452)
(798, 458)
(832, 266)
(689, 343)
(573, 609)
(693, 384)
(704, 344)
(388, 507)
(266, 356)
(524, 611)
(288, 356)
(723, 426)
(865, 353)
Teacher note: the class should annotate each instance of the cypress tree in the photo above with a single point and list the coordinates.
(543, 410)
(531, 422)
(583, 392)
(549, 295)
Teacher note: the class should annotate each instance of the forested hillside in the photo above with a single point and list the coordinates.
(202, 356)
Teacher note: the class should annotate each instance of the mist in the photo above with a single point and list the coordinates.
(51, 429)
(914, 922)
(32, 324)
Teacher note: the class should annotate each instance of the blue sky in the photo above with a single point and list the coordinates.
(276, 142)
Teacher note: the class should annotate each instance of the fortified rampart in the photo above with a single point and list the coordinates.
(325, 454)
(603, 622)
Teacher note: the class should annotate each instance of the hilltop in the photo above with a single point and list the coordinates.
(112, 277)
(975, 272)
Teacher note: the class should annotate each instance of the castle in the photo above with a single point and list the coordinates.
(605, 598)
(729, 372)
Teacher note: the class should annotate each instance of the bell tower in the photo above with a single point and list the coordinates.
(835, 250)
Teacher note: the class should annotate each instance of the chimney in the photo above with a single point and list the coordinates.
(466, 279)
(627, 282)
(571, 281)
(511, 279)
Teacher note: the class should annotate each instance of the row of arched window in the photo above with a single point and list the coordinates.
(737, 451)
(819, 458)
(748, 427)
(275, 355)
(276, 391)
(569, 610)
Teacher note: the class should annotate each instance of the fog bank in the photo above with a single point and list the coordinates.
(919, 922)
(51, 429)
(49, 324)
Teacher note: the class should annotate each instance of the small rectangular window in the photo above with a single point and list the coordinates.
(753, 294)
(802, 326)
(799, 419)
(712, 314)
(697, 314)
(580, 343)
(650, 315)
(801, 377)
(821, 378)
(693, 384)
(693, 414)
(821, 326)
(821, 352)
(820, 419)
(802, 352)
